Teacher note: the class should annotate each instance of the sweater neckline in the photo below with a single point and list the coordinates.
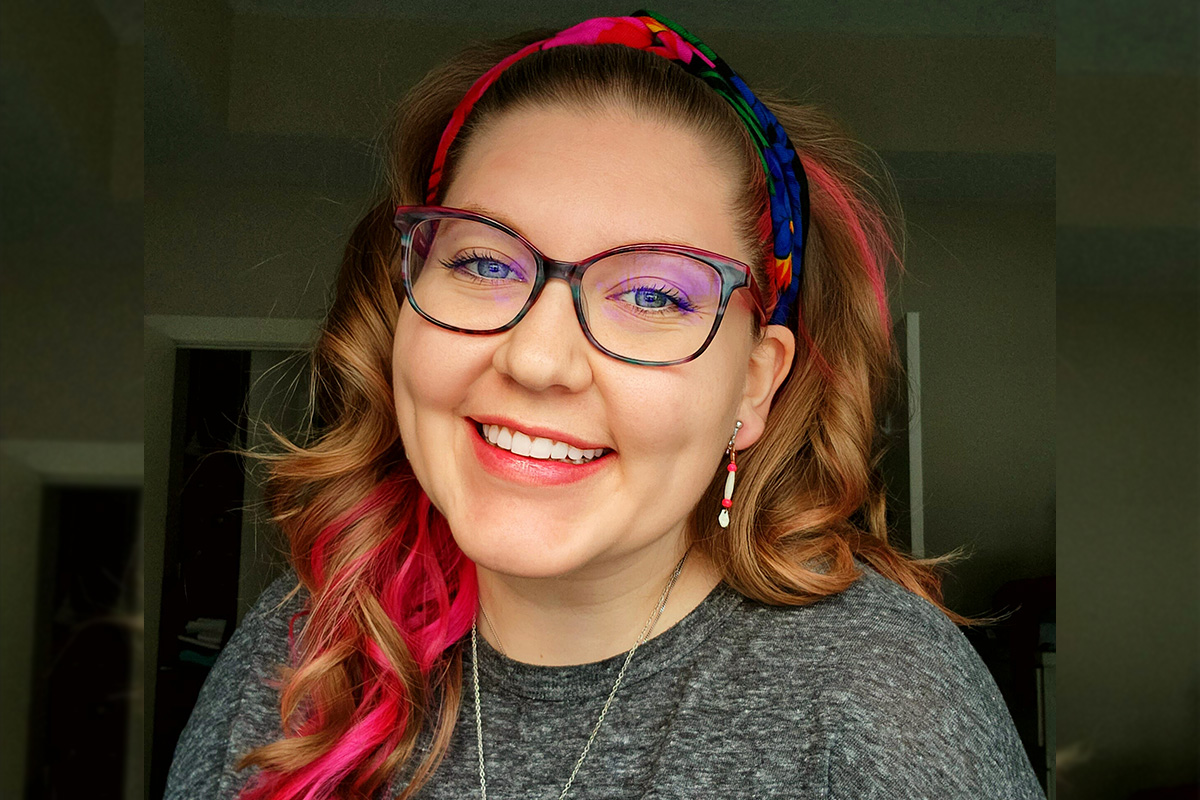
(499, 673)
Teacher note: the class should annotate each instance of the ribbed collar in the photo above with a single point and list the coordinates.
(584, 681)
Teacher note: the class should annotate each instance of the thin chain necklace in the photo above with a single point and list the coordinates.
(650, 623)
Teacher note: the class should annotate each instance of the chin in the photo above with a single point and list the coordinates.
(527, 550)
(532, 568)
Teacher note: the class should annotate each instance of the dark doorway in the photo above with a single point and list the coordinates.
(220, 549)
(87, 625)
(204, 535)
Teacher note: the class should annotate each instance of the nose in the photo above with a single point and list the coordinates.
(547, 347)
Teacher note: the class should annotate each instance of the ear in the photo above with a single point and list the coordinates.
(770, 362)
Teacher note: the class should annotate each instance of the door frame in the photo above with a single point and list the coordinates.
(164, 335)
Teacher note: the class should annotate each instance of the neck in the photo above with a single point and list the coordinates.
(593, 615)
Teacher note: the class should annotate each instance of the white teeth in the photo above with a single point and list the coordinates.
(536, 447)
(541, 448)
(522, 445)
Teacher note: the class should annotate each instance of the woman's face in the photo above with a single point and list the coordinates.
(575, 185)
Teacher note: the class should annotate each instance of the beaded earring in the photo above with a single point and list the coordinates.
(727, 501)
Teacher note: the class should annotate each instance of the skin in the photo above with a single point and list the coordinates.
(569, 575)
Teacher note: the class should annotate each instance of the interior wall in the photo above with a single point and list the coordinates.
(1129, 697)
(71, 229)
(1128, 206)
(70, 291)
(69, 343)
(982, 277)
(232, 249)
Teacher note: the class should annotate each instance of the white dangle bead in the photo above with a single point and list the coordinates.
(729, 485)
(723, 518)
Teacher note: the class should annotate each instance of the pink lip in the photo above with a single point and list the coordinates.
(530, 471)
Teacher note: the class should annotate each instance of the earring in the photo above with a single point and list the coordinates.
(727, 502)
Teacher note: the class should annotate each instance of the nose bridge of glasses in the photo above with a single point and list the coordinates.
(552, 318)
(570, 272)
(562, 270)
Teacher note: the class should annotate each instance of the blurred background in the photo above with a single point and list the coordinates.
(260, 121)
(71, 201)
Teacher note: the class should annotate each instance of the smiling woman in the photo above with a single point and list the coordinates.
(602, 375)
(664, 428)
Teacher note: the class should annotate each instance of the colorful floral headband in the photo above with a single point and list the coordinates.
(787, 184)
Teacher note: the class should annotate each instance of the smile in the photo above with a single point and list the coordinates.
(538, 447)
(513, 468)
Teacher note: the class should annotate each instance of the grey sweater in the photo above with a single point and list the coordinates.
(872, 693)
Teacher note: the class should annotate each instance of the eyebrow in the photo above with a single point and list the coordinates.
(487, 212)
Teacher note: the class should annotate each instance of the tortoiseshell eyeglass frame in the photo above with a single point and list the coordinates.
(733, 274)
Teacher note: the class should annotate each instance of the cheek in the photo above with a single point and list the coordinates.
(675, 420)
(690, 410)
(431, 368)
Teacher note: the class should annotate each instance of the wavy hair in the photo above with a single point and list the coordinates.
(375, 684)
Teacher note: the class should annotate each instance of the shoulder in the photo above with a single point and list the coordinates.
(872, 644)
(238, 706)
(275, 608)
(260, 645)
(904, 704)
(873, 623)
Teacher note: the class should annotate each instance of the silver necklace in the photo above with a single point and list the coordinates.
(650, 623)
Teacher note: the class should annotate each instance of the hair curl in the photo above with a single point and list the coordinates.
(377, 664)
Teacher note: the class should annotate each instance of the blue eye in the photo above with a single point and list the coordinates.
(646, 298)
(490, 269)
(481, 267)
(649, 298)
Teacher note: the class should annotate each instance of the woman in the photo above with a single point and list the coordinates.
(619, 534)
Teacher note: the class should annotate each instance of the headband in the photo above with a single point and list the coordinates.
(787, 185)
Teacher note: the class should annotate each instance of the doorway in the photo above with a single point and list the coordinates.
(219, 549)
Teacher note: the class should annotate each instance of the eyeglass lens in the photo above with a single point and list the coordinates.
(642, 305)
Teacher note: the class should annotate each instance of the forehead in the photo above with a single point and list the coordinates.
(575, 183)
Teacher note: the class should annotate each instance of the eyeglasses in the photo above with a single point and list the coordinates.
(648, 304)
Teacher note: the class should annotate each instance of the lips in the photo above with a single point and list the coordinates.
(536, 447)
(527, 471)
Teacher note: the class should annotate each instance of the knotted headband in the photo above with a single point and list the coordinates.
(787, 184)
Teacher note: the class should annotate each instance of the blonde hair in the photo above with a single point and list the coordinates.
(810, 498)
